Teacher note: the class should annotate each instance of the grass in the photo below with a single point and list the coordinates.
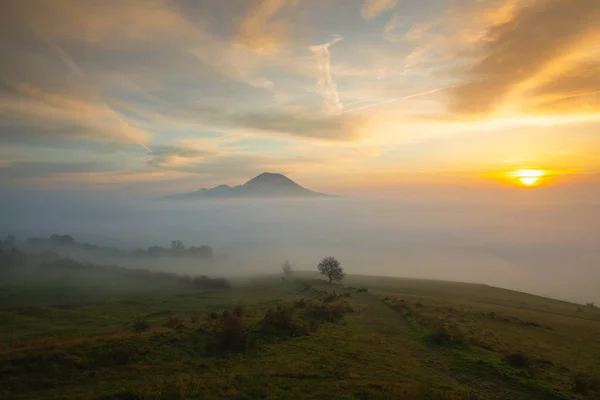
(374, 338)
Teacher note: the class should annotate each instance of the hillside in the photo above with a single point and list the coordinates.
(265, 185)
(376, 338)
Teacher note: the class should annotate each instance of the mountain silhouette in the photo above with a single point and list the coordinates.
(265, 185)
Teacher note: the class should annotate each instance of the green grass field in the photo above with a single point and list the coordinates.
(78, 336)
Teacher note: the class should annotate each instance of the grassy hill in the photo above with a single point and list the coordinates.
(91, 337)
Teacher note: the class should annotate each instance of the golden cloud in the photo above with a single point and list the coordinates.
(535, 59)
(372, 8)
(39, 114)
(261, 31)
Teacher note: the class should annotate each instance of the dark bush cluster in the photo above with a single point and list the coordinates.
(174, 322)
(517, 360)
(230, 333)
(140, 325)
(442, 334)
(584, 384)
(279, 322)
(328, 312)
(299, 303)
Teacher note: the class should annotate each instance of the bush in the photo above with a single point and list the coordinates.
(405, 310)
(140, 324)
(328, 312)
(174, 323)
(300, 303)
(442, 334)
(238, 311)
(194, 318)
(362, 290)
(280, 322)
(517, 360)
(231, 334)
(583, 383)
(213, 315)
(330, 297)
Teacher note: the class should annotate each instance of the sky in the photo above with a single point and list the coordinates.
(148, 96)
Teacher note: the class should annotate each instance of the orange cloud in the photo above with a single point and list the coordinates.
(372, 8)
(534, 60)
(259, 30)
(64, 117)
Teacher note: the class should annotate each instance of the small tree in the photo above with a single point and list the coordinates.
(177, 246)
(331, 268)
(287, 268)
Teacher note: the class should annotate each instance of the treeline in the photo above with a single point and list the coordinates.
(177, 249)
(67, 243)
(53, 260)
(11, 260)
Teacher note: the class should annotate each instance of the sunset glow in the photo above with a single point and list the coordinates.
(342, 93)
(528, 177)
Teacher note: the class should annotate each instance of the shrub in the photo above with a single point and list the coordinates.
(280, 322)
(231, 334)
(405, 310)
(517, 360)
(213, 315)
(139, 324)
(238, 310)
(300, 303)
(194, 318)
(330, 297)
(442, 334)
(362, 290)
(174, 322)
(328, 312)
(583, 383)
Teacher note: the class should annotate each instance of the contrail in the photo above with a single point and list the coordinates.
(410, 96)
(325, 82)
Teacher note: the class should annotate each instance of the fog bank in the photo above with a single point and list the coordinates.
(525, 240)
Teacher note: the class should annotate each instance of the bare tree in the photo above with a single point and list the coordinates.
(331, 268)
(287, 268)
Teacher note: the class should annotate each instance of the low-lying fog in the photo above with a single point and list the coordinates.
(529, 240)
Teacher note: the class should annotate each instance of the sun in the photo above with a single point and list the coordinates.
(528, 177)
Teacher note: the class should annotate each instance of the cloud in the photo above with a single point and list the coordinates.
(111, 22)
(29, 113)
(330, 127)
(534, 57)
(325, 83)
(372, 8)
(259, 30)
(25, 170)
(272, 121)
(176, 156)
